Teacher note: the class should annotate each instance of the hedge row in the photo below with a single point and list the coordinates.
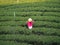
(35, 9)
(6, 18)
(25, 14)
(20, 14)
(52, 14)
(36, 18)
(46, 24)
(36, 24)
(32, 39)
(46, 4)
(12, 43)
(46, 18)
(24, 30)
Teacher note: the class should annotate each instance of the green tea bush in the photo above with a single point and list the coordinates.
(24, 30)
(46, 28)
(12, 43)
(36, 24)
(52, 14)
(31, 38)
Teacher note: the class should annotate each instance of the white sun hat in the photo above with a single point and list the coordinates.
(29, 19)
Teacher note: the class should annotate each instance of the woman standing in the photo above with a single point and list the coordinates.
(30, 23)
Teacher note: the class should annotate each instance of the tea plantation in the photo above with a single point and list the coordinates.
(46, 28)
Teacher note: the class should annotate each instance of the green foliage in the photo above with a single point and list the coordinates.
(36, 18)
(36, 24)
(12, 43)
(23, 30)
(46, 28)
(31, 38)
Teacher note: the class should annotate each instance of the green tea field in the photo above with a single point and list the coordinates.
(13, 17)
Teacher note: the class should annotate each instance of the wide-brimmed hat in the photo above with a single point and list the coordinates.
(30, 19)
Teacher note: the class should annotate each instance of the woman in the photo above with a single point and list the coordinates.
(30, 23)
